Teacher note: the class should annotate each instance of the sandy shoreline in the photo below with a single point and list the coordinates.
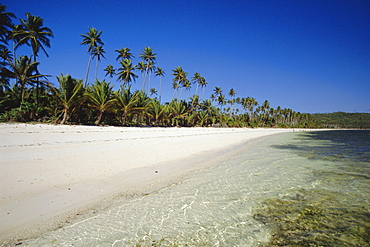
(49, 173)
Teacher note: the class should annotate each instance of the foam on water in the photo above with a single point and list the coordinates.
(223, 205)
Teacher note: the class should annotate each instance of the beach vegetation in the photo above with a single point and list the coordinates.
(27, 95)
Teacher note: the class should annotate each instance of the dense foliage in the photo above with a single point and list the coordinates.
(27, 95)
(343, 120)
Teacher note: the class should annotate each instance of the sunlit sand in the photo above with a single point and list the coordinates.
(50, 173)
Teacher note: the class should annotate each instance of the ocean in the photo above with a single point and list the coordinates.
(291, 189)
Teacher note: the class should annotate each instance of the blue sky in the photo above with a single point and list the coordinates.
(311, 56)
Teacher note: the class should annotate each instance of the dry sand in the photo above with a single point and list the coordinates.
(50, 173)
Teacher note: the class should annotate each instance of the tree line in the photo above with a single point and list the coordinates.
(26, 95)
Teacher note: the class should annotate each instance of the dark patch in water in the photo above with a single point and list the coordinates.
(336, 212)
(317, 218)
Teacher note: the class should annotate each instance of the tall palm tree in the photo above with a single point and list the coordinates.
(141, 67)
(149, 57)
(110, 71)
(126, 71)
(160, 72)
(196, 79)
(98, 52)
(124, 53)
(69, 95)
(218, 91)
(187, 86)
(175, 87)
(203, 83)
(34, 34)
(92, 39)
(179, 77)
(232, 94)
(101, 98)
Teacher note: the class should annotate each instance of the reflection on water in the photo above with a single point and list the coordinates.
(269, 192)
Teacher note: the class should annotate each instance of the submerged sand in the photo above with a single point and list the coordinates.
(50, 173)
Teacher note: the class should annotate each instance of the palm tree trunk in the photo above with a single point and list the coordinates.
(87, 71)
(64, 120)
(97, 122)
(160, 90)
(96, 69)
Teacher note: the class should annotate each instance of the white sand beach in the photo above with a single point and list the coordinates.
(50, 173)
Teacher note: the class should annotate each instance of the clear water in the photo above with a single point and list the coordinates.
(293, 189)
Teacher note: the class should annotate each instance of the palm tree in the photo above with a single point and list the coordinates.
(98, 52)
(156, 111)
(187, 86)
(110, 71)
(152, 92)
(218, 91)
(175, 87)
(141, 67)
(6, 57)
(124, 53)
(69, 95)
(25, 71)
(179, 77)
(126, 72)
(160, 72)
(34, 34)
(149, 57)
(196, 79)
(126, 102)
(91, 39)
(203, 83)
(5, 23)
(232, 95)
(101, 98)
(178, 111)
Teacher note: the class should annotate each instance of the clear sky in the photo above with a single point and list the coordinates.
(308, 55)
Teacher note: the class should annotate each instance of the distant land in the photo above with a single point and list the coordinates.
(342, 120)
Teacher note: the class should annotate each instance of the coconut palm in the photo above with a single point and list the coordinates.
(32, 33)
(175, 87)
(217, 91)
(141, 67)
(187, 86)
(232, 94)
(178, 111)
(98, 52)
(110, 71)
(149, 58)
(156, 111)
(25, 71)
(124, 53)
(203, 84)
(126, 71)
(160, 72)
(5, 23)
(196, 79)
(149, 68)
(179, 77)
(126, 102)
(101, 98)
(69, 95)
(92, 39)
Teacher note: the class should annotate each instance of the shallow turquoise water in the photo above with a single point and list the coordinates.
(291, 189)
